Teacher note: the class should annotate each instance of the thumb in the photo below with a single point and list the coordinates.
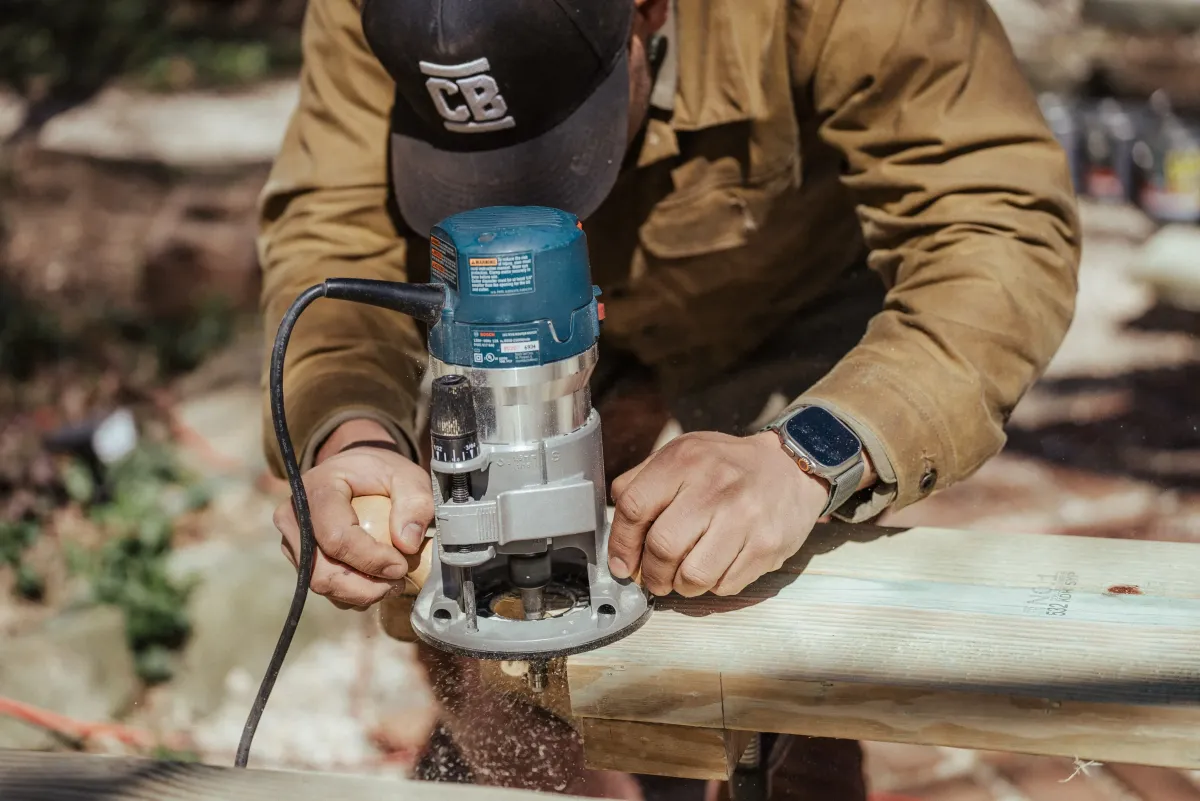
(412, 507)
(374, 514)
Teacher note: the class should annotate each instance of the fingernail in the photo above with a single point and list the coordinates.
(395, 572)
(618, 568)
(411, 536)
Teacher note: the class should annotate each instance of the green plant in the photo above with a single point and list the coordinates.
(165, 754)
(184, 344)
(130, 570)
(180, 343)
(15, 539)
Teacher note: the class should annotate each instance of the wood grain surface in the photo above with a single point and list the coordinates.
(1072, 646)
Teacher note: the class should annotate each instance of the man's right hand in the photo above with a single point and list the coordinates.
(353, 569)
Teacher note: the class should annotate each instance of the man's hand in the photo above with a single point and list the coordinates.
(711, 512)
(352, 569)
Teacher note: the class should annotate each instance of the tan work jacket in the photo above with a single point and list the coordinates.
(799, 134)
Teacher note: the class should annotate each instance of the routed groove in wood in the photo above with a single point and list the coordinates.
(36, 776)
(1073, 646)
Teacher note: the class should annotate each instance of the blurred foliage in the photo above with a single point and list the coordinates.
(16, 537)
(212, 62)
(29, 335)
(32, 335)
(73, 46)
(165, 754)
(60, 52)
(148, 490)
(182, 342)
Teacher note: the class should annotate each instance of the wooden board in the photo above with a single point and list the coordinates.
(1071, 646)
(684, 752)
(35, 776)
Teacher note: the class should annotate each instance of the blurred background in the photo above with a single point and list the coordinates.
(141, 584)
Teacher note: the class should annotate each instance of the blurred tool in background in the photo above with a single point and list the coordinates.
(1141, 153)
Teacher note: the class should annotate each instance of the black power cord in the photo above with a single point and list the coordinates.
(421, 301)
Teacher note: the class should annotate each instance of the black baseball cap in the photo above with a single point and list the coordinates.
(503, 102)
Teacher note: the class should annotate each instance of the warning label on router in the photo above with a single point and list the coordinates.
(443, 261)
(491, 348)
(511, 274)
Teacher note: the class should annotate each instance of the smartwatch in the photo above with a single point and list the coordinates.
(825, 447)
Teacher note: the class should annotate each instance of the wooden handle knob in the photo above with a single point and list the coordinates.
(374, 513)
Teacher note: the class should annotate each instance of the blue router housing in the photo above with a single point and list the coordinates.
(519, 289)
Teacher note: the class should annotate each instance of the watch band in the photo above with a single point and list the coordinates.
(843, 487)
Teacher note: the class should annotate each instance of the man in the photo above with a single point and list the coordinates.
(742, 200)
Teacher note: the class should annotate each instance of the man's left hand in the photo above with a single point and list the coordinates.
(712, 512)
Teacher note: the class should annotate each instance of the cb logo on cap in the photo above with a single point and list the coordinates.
(482, 109)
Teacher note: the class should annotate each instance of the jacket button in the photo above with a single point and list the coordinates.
(928, 481)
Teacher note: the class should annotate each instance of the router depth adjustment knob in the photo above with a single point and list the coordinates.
(452, 420)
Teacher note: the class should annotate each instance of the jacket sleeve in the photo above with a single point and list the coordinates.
(323, 213)
(966, 204)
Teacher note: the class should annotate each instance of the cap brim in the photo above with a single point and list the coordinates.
(571, 167)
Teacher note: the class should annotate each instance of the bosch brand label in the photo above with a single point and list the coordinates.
(492, 348)
(443, 261)
(511, 274)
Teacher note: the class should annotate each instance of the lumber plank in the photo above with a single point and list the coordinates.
(1073, 646)
(684, 752)
(42, 776)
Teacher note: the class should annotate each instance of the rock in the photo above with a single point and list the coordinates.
(77, 665)
(1100, 342)
(224, 430)
(191, 129)
(237, 611)
(330, 706)
(1170, 264)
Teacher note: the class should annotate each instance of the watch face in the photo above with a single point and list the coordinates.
(825, 438)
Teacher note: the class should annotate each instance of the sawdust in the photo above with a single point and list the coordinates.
(505, 740)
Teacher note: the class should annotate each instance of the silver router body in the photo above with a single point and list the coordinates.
(519, 568)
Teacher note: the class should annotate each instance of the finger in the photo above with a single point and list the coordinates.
(360, 594)
(621, 482)
(284, 519)
(412, 508)
(710, 559)
(343, 584)
(669, 542)
(342, 593)
(761, 553)
(335, 526)
(637, 507)
(288, 553)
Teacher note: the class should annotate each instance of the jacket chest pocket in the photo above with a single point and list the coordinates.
(717, 211)
(720, 200)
